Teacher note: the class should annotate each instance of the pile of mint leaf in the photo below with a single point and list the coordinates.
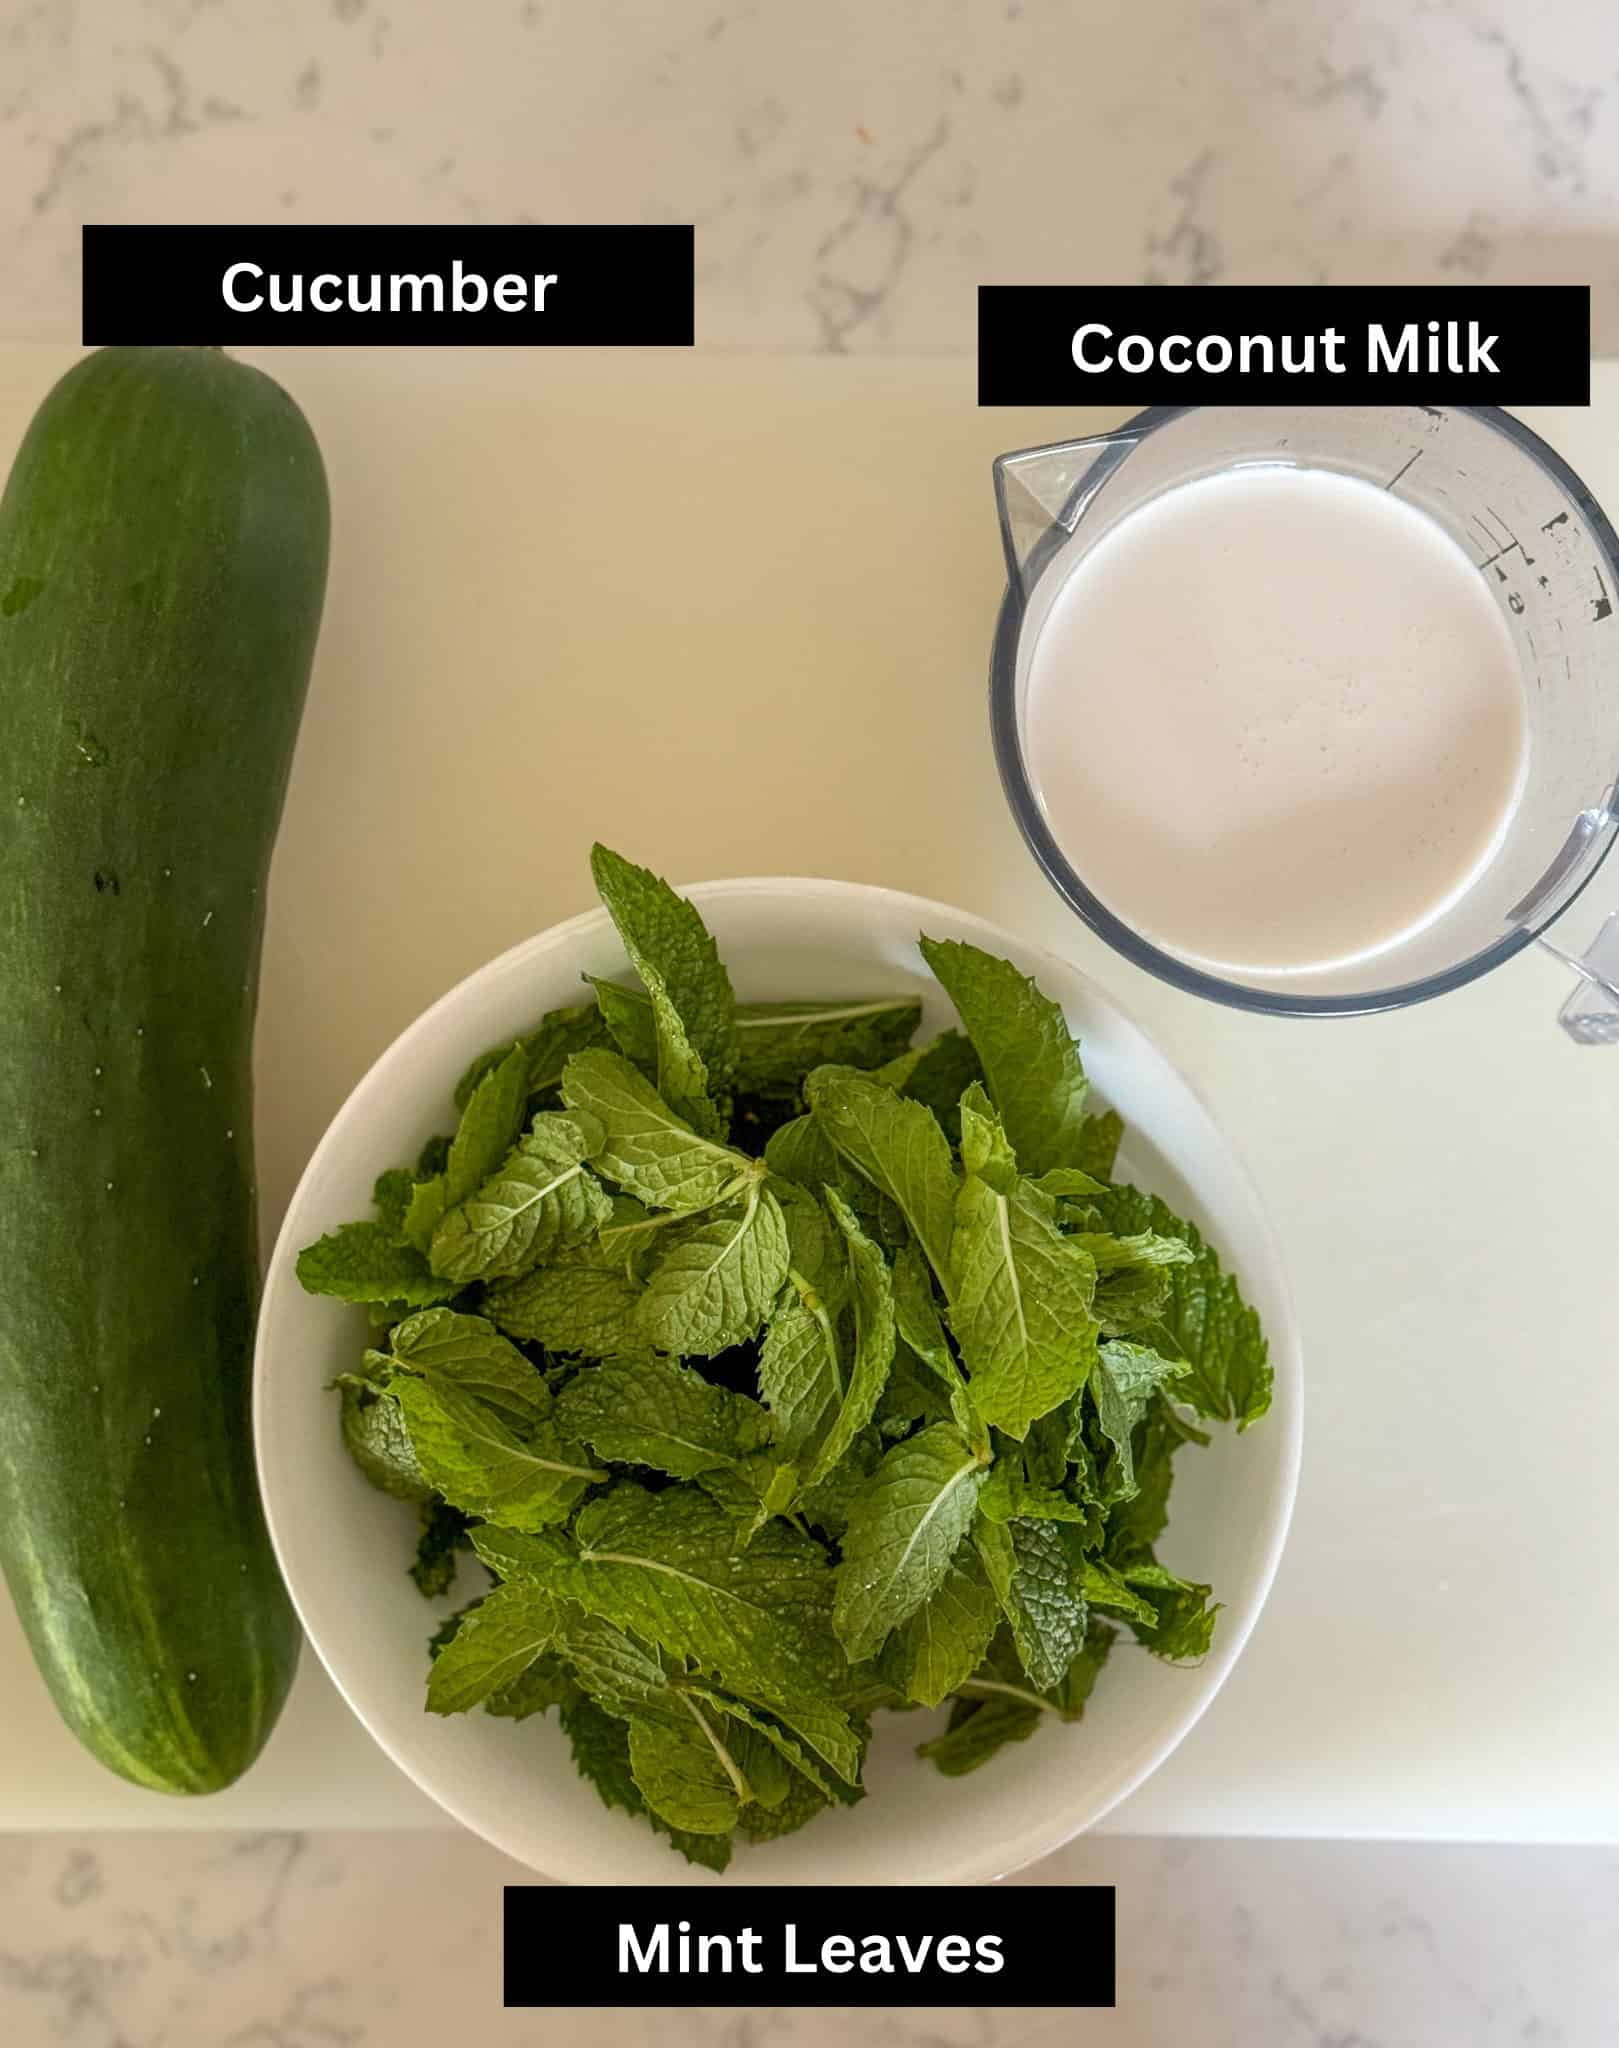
(776, 1371)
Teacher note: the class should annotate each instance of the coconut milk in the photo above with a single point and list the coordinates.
(1275, 719)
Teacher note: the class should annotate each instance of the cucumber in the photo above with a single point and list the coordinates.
(162, 563)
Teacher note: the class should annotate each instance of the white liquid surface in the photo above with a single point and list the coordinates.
(1275, 719)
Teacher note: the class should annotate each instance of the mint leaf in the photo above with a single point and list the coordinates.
(775, 1481)
(818, 1261)
(801, 1151)
(1021, 1305)
(1029, 1057)
(547, 1049)
(492, 1648)
(1098, 1144)
(1104, 1587)
(937, 1074)
(576, 1306)
(904, 1527)
(391, 1197)
(363, 1262)
(627, 1234)
(985, 1150)
(1128, 1254)
(873, 1355)
(827, 1506)
(997, 1705)
(652, 1411)
(751, 1490)
(666, 1566)
(770, 1786)
(646, 1148)
(769, 1775)
(715, 1281)
(1009, 1493)
(468, 1355)
(544, 1556)
(601, 1750)
(1045, 1603)
(585, 1301)
(374, 1433)
(1183, 1624)
(1204, 1315)
(978, 1728)
(765, 1770)
(601, 1753)
(769, 1823)
(556, 1039)
(696, 1753)
(428, 1201)
(489, 1127)
(693, 1007)
(992, 1539)
(539, 1202)
(781, 1043)
(484, 1467)
(545, 1684)
(1125, 1378)
(801, 1369)
(627, 1013)
(778, 1043)
(916, 1311)
(801, 1154)
(686, 1770)
(943, 1642)
(1069, 1181)
(766, 1773)
(1135, 1524)
(442, 1533)
(913, 1396)
(1079, 1681)
(895, 1145)
(1053, 1440)
(1131, 1301)
(619, 1673)
(445, 1633)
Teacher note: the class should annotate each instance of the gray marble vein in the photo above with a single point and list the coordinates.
(853, 171)
(325, 1940)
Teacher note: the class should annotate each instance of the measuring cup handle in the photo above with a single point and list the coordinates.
(1590, 1016)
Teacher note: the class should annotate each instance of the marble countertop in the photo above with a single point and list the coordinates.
(393, 1941)
(854, 171)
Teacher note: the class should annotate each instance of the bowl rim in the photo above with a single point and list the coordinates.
(1285, 1416)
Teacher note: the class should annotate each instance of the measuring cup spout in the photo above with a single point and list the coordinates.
(1041, 495)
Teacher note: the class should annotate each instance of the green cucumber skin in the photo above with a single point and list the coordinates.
(163, 543)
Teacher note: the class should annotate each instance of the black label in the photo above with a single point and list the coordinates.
(848, 1945)
(1268, 345)
(523, 287)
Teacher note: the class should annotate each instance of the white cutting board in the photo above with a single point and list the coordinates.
(733, 614)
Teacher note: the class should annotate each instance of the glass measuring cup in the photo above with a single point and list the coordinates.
(1550, 560)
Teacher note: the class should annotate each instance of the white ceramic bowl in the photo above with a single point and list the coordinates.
(344, 1547)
